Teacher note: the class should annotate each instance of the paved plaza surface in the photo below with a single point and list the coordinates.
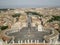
(27, 34)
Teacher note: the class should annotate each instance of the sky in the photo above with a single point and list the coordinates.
(29, 3)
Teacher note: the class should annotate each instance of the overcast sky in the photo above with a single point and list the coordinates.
(28, 3)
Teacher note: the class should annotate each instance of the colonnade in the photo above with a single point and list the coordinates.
(26, 42)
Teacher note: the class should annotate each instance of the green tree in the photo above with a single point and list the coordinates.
(3, 27)
(54, 18)
(34, 13)
(16, 15)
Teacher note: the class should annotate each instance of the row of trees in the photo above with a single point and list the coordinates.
(5, 9)
(34, 13)
(16, 15)
(54, 18)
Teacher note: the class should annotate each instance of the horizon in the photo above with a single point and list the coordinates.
(29, 3)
